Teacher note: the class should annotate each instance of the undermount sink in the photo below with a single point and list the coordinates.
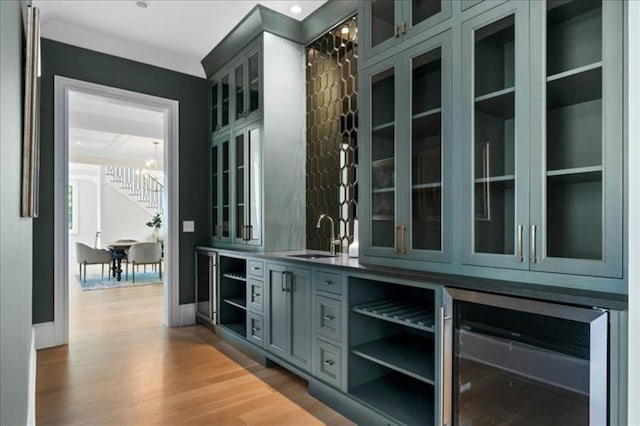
(311, 256)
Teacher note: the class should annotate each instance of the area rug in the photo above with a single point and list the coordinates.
(96, 282)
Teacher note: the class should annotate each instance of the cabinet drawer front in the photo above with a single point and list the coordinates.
(329, 282)
(328, 320)
(256, 268)
(328, 363)
(255, 329)
(255, 295)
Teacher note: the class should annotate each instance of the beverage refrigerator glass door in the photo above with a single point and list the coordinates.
(526, 362)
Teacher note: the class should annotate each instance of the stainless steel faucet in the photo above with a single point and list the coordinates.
(333, 242)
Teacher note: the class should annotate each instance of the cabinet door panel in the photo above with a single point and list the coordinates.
(299, 291)
(254, 186)
(277, 336)
(495, 88)
(576, 151)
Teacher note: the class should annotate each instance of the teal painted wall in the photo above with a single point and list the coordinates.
(82, 64)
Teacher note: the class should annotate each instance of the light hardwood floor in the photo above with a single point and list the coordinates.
(122, 367)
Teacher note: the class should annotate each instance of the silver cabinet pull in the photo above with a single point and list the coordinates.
(255, 329)
(519, 255)
(255, 268)
(327, 282)
(328, 317)
(249, 232)
(396, 32)
(403, 27)
(288, 285)
(255, 294)
(284, 281)
(329, 362)
(534, 256)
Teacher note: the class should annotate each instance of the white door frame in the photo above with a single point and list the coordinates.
(62, 87)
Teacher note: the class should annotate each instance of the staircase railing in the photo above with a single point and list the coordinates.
(142, 186)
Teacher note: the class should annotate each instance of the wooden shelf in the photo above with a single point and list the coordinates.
(236, 327)
(499, 104)
(576, 175)
(240, 276)
(381, 190)
(406, 353)
(383, 126)
(389, 161)
(408, 313)
(407, 400)
(238, 302)
(427, 185)
(575, 87)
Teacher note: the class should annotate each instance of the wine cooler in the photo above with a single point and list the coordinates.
(523, 362)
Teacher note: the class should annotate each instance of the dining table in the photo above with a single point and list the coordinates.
(118, 251)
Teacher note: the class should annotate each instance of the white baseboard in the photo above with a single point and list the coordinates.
(45, 335)
(31, 403)
(186, 314)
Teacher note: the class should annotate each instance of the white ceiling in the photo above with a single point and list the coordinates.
(107, 132)
(173, 34)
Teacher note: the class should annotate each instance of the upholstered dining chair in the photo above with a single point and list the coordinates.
(86, 255)
(145, 254)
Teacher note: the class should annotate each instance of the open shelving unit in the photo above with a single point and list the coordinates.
(391, 352)
(232, 288)
(574, 135)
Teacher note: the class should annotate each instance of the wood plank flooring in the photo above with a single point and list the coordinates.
(122, 367)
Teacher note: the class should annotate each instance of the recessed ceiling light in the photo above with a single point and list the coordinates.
(142, 4)
(296, 9)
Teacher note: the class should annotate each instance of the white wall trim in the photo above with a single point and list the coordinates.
(44, 335)
(170, 109)
(187, 314)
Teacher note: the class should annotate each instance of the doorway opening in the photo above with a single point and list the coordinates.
(116, 198)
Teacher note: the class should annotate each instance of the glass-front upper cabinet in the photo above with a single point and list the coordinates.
(247, 186)
(495, 88)
(247, 85)
(409, 154)
(576, 171)
(390, 22)
(220, 188)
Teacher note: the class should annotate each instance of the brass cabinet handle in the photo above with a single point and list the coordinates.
(403, 239)
(403, 27)
(519, 254)
(534, 257)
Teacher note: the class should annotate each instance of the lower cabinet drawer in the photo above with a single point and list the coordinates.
(327, 363)
(255, 329)
(328, 317)
(255, 295)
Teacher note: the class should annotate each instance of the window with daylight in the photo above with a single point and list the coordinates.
(72, 207)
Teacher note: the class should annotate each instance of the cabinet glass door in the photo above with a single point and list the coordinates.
(226, 186)
(383, 160)
(254, 82)
(383, 21)
(497, 85)
(225, 105)
(240, 228)
(239, 85)
(215, 106)
(254, 187)
(215, 193)
(426, 151)
(580, 181)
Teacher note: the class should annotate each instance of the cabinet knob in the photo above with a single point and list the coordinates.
(255, 294)
(329, 362)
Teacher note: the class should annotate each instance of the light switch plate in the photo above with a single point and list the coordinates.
(188, 226)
